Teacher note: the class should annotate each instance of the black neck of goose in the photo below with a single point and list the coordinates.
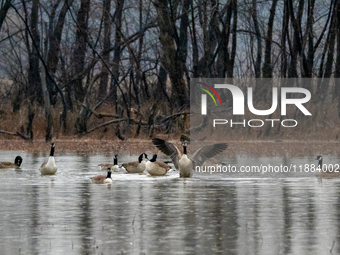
(153, 158)
(140, 158)
(184, 149)
(108, 174)
(320, 163)
(52, 151)
(115, 161)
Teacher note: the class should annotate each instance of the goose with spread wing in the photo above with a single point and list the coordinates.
(182, 162)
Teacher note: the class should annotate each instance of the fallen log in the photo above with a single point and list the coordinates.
(26, 138)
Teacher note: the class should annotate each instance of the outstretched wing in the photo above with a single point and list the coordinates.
(168, 149)
(206, 152)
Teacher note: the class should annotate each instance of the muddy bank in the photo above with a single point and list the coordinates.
(136, 146)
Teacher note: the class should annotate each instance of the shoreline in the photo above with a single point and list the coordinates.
(254, 148)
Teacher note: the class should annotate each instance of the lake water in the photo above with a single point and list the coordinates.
(138, 214)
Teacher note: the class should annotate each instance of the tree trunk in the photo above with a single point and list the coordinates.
(337, 63)
(194, 42)
(34, 81)
(30, 115)
(117, 50)
(310, 54)
(171, 59)
(267, 70)
(47, 108)
(322, 88)
(55, 34)
(297, 44)
(160, 90)
(259, 41)
(223, 52)
(285, 23)
(231, 62)
(104, 77)
(81, 122)
(80, 50)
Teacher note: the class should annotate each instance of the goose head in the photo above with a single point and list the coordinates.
(319, 159)
(108, 172)
(115, 160)
(142, 157)
(184, 144)
(18, 160)
(145, 157)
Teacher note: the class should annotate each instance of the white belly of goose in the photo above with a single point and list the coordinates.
(50, 167)
(185, 167)
(115, 168)
(108, 181)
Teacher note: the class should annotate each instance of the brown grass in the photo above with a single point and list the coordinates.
(17, 122)
(314, 135)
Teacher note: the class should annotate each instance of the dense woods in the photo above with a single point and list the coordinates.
(91, 64)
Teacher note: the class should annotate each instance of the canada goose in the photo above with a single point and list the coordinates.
(324, 172)
(102, 179)
(136, 166)
(114, 167)
(16, 164)
(157, 168)
(184, 164)
(49, 167)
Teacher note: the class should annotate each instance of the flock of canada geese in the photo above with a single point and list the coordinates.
(181, 161)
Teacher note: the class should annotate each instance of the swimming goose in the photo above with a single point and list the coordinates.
(16, 164)
(114, 167)
(325, 173)
(136, 166)
(157, 168)
(183, 163)
(49, 167)
(102, 179)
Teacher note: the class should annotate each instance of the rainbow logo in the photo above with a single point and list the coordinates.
(209, 93)
(204, 97)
